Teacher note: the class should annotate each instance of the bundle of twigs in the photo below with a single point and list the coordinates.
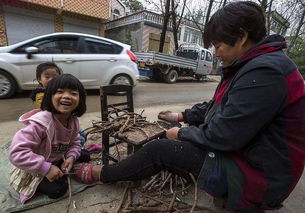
(154, 195)
(155, 192)
(119, 121)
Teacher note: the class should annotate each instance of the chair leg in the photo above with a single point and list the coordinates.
(105, 141)
(130, 149)
(136, 147)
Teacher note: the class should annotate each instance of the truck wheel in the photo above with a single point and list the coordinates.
(200, 77)
(171, 76)
(8, 85)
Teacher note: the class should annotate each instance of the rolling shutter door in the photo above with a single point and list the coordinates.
(22, 24)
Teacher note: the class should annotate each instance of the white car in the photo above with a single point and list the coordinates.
(95, 61)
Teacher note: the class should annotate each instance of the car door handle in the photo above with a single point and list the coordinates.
(112, 60)
(69, 60)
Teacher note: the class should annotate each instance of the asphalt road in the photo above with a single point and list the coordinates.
(146, 93)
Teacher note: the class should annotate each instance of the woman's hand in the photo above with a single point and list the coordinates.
(170, 116)
(66, 166)
(172, 133)
(54, 173)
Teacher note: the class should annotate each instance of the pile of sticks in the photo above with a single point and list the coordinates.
(120, 121)
(153, 196)
(164, 192)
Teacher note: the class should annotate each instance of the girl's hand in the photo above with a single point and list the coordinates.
(172, 133)
(54, 173)
(67, 164)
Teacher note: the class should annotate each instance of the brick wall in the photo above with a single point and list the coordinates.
(101, 31)
(89, 10)
(93, 8)
(3, 39)
(59, 26)
(48, 3)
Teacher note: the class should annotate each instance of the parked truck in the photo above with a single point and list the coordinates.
(189, 60)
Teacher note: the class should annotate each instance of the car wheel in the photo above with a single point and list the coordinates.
(121, 79)
(171, 76)
(8, 85)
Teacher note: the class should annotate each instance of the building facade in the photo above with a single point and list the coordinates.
(118, 9)
(278, 24)
(142, 31)
(24, 19)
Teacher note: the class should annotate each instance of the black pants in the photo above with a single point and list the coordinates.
(59, 187)
(177, 157)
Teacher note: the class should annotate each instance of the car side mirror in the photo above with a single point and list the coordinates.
(30, 51)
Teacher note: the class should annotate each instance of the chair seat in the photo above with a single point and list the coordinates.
(135, 137)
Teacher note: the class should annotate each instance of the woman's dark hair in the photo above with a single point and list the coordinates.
(232, 21)
(44, 66)
(64, 81)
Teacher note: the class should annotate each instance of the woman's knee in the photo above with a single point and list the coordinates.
(157, 143)
(158, 146)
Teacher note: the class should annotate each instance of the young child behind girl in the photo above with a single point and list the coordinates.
(49, 144)
(44, 73)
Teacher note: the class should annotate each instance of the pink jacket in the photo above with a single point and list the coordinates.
(31, 146)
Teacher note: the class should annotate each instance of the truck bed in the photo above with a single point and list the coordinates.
(156, 58)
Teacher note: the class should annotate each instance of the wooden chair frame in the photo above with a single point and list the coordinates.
(105, 91)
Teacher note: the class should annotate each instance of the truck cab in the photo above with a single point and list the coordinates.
(196, 52)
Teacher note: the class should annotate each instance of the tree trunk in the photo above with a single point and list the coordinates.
(175, 28)
(208, 16)
(175, 23)
(297, 32)
(224, 3)
(268, 17)
(264, 4)
(165, 22)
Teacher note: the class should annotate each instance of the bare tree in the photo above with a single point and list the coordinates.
(208, 12)
(176, 24)
(267, 9)
(166, 17)
(297, 31)
(173, 10)
(224, 3)
(196, 18)
(264, 4)
(268, 17)
(134, 5)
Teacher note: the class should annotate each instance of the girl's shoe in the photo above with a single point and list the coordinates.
(94, 147)
(84, 173)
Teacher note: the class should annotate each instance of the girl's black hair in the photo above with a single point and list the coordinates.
(231, 22)
(44, 66)
(64, 81)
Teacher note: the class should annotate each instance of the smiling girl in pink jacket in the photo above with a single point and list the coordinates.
(50, 136)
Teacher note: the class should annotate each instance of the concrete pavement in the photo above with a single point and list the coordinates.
(107, 197)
